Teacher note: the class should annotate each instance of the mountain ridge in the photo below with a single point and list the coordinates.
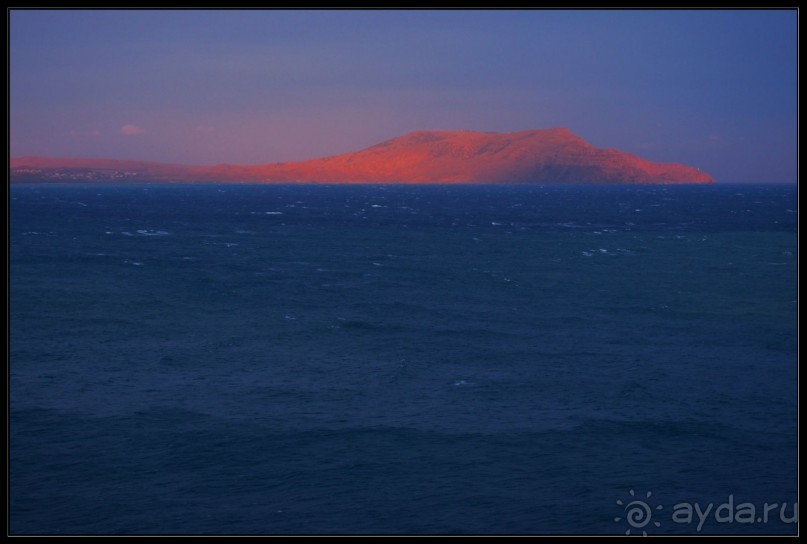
(554, 155)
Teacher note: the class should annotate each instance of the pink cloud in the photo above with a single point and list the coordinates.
(131, 130)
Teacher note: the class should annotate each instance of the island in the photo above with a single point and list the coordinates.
(548, 156)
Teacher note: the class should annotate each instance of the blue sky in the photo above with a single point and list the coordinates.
(712, 89)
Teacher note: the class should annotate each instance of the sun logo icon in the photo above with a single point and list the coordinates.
(638, 513)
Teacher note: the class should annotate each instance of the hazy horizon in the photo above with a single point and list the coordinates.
(711, 89)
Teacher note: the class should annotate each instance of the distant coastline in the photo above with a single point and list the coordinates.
(550, 156)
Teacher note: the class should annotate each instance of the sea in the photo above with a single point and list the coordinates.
(390, 359)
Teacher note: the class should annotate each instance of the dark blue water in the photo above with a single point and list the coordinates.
(387, 359)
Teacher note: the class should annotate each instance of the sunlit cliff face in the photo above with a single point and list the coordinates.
(535, 156)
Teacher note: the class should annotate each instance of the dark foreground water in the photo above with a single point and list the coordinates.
(387, 359)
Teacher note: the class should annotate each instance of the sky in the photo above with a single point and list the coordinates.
(712, 89)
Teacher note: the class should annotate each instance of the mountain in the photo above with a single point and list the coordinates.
(534, 156)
